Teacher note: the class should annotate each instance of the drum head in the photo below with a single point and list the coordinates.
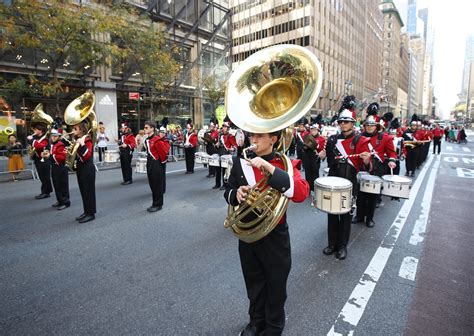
(397, 179)
(368, 177)
(333, 183)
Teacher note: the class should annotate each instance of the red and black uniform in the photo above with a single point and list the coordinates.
(312, 162)
(211, 149)
(437, 136)
(157, 149)
(383, 150)
(227, 145)
(43, 167)
(410, 151)
(300, 145)
(266, 263)
(428, 136)
(126, 154)
(190, 146)
(420, 134)
(59, 172)
(86, 175)
(338, 148)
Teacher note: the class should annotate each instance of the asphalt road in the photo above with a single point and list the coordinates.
(177, 272)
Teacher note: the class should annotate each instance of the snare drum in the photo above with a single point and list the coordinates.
(226, 161)
(140, 167)
(333, 195)
(370, 184)
(205, 158)
(396, 186)
(111, 156)
(198, 156)
(326, 171)
(214, 160)
(360, 174)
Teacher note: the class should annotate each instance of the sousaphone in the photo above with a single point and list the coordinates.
(268, 92)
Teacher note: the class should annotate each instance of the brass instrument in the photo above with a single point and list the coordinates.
(38, 116)
(310, 142)
(268, 92)
(79, 110)
(410, 144)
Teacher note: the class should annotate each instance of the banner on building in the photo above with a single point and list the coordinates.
(220, 114)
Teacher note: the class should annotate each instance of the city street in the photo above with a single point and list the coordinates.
(177, 271)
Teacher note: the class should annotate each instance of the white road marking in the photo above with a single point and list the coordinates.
(419, 229)
(467, 161)
(466, 149)
(458, 154)
(182, 170)
(408, 268)
(449, 148)
(451, 159)
(464, 172)
(354, 308)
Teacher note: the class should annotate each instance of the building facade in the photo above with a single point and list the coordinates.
(338, 32)
(417, 46)
(468, 57)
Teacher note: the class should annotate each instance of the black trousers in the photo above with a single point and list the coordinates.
(212, 170)
(126, 165)
(86, 182)
(437, 144)
(101, 151)
(366, 205)
(339, 230)
(44, 173)
(163, 168)
(189, 157)
(311, 172)
(60, 177)
(154, 171)
(299, 155)
(411, 160)
(266, 265)
(219, 171)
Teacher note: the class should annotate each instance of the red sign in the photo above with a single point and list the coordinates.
(134, 95)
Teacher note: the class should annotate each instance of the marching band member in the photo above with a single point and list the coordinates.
(338, 148)
(157, 148)
(210, 146)
(409, 149)
(381, 145)
(299, 140)
(437, 136)
(225, 145)
(59, 171)
(165, 144)
(265, 263)
(127, 145)
(190, 149)
(311, 157)
(40, 143)
(85, 171)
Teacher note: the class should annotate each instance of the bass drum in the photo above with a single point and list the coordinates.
(111, 156)
(140, 167)
(201, 136)
(333, 195)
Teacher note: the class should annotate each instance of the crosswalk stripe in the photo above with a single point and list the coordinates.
(466, 149)
(449, 148)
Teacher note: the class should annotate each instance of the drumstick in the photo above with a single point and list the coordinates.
(391, 171)
(350, 156)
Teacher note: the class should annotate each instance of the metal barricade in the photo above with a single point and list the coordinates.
(29, 166)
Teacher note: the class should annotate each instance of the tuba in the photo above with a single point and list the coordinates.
(268, 92)
(38, 116)
(79, 110)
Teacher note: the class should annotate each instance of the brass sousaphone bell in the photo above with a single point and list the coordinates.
(79, 110)
(269, 92)
(38, 116)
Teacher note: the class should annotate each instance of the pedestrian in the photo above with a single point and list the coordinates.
(127, 145)
(266, 263)
(85, 171)
(139, 140)
(102, 140)
(15, 156)
(437, 136)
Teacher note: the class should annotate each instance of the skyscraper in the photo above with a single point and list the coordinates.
(423, 15)
(411, 22)
(468, 57)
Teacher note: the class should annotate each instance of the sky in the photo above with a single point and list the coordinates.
(453, 22)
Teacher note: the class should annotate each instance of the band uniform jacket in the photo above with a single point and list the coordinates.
(210, 146)
(227, 143)
(242, 174)
(58, 153)
(382, 148)
(409, 135)
(84, 152)
(129, 140)
(300, 139)
(191, 140)
(157, 148)
(39, 145)
(339, 145)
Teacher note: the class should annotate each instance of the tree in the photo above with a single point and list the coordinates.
(214, 90)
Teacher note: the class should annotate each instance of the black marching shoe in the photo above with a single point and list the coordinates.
(41, 196)
(87, 218)
(329, 250)
(222, 188)
(412, 174)
(210, 175)
(250, 330)
(64, 206)
(188, 172)
(370, 223)
(216, 187)
(341, 254)
(357, 220)
(55, 205)
(154, 208)
(78, 218)
(127, 182)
